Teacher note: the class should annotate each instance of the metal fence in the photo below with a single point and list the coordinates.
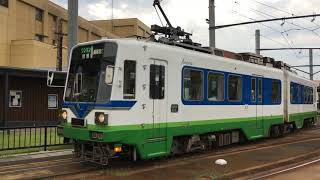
(12, 138)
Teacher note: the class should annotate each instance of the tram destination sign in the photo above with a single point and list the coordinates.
(93, 51)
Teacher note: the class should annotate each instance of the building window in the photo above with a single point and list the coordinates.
(52, 101)
(4, 3)
(234, 88)
(215, 87)
(157, 81)
(38, 37)
(15, 98)
(39, 14)
(253, 90)
(275, 92)
(129, 87)
(192, 85)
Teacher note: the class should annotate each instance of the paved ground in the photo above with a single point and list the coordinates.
(311, 172)
(198, 166)
(203, 167)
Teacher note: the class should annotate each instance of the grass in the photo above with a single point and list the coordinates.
(28, 140)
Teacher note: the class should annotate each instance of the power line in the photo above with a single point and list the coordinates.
(288, 42)
(275, 49)
(282, 44)
(284, 11)
(272, 7)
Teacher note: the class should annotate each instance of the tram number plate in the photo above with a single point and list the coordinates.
(77, 122)
(174, 108)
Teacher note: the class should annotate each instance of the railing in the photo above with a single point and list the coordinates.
(12, 138)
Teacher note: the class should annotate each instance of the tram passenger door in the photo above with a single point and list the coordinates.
(259, 103)
(256, 99)
(158, 95)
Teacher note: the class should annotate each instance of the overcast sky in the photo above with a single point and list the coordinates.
(191, 15)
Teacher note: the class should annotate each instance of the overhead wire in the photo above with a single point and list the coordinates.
(290, 43)
(284, 11)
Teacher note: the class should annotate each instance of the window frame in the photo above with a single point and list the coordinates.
(183, 84)
(135, 78)
(278, 99)
(39, 37)
(240, 76)
(255, 90)
(56, 102)
(4, 3)
(292, 99)
(164, 83)
(224, 86)
(21, 99)
(37, 17)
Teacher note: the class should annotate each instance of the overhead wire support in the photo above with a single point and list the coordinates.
(265, 20)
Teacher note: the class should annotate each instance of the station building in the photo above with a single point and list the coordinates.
(28, 49)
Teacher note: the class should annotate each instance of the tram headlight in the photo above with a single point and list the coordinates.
(63, 116)
(101, 118)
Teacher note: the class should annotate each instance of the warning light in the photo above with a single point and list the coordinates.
(117, 149)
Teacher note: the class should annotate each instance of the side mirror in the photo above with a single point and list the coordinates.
(109, 75)
(56, 78)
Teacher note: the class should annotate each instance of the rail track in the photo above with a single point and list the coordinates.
(70, 168)
(287, 169)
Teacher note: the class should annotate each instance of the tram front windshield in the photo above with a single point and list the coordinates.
(87, 72)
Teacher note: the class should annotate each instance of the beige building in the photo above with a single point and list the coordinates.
(28, 32)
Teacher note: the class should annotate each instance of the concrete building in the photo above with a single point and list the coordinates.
(28, 32)
(28, 42)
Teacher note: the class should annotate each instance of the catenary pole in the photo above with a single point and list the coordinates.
(258, 41)
(311, 63)
(212, 31)
(72, 24)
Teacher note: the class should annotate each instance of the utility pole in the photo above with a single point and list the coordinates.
(311, 63)
(60, 35)
(257, 41)
(212, 24)
(72, 24)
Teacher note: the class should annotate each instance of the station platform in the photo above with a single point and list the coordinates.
(35, 156)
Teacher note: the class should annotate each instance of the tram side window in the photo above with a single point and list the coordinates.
(275, 92)
(157, 81)
(291, 93)
(215, 87)
(192, 85)
(311, 95)
(253, 90)
(295, 94)
(308, 95)
(129, 83)
(234, 88)
(298, 94)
